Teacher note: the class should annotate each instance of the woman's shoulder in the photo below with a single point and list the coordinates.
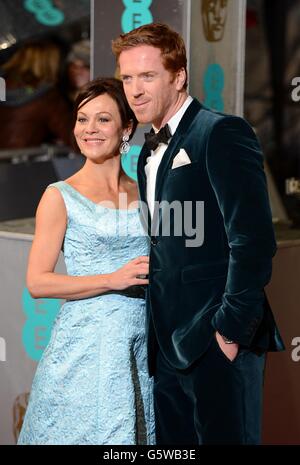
(54, 191)
(60, 192)
(58, 186)
(52, 205)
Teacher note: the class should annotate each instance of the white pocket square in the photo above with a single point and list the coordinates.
(181, 159)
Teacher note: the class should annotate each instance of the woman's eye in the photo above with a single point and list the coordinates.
(103, 120)
(81, 120)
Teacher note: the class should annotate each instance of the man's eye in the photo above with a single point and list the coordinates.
(126, 78)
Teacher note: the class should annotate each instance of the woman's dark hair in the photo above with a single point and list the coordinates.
(112, 87)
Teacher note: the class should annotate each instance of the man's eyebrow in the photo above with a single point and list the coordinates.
(139, 74)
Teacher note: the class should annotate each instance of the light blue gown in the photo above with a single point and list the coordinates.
(92, 385)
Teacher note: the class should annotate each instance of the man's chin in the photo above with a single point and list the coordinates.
(142, 119)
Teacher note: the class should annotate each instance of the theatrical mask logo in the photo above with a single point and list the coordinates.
(19, 409)
(214, 15)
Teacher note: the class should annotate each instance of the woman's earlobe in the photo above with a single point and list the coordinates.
(125, 146)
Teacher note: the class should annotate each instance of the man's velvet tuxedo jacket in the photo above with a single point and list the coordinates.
(194, 291)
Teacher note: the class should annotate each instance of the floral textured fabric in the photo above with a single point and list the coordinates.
(92, 384)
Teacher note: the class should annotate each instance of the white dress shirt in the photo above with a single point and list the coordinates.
(154, 160)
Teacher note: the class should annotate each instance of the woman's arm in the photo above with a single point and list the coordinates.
(42, 281)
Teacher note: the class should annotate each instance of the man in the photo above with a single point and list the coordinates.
(209, 320)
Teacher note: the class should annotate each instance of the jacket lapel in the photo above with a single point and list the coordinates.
(171, 151)
(169, 154)
(142, 183)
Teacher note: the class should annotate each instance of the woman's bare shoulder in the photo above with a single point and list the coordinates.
(52, 204)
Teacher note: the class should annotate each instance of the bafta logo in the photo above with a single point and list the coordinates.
(214, 15)
(19, 409)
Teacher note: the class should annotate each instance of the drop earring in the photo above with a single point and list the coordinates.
(125, 146)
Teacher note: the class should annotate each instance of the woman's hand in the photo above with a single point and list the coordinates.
(131, 274)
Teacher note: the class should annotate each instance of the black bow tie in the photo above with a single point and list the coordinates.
(153, 139)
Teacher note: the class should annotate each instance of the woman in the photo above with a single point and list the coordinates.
(92, 384)
(33, 99)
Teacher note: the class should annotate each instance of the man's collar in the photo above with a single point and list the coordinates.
(175, 119)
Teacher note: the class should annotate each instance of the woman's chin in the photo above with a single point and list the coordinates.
(98, 156)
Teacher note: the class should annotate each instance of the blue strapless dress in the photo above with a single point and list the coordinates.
(92, 384)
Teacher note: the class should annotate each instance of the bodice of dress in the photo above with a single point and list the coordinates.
(98, 239)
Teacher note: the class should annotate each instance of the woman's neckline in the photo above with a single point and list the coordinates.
(98, 204)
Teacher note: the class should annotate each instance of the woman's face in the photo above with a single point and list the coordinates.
(98, 129)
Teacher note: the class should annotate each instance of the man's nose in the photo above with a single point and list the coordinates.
(137, 87)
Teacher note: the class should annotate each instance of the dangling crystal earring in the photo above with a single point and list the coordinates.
(125, 146)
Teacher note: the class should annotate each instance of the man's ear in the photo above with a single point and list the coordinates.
(180, 78)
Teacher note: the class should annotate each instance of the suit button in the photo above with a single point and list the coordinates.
(154, 241)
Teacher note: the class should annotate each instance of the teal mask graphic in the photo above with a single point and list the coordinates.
(213, 84)
(136, 14)
(40, 315)
(44, 11)
(129, 161)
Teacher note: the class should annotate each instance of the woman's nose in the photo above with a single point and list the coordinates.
(91, 127)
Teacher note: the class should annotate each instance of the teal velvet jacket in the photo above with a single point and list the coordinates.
(194, 291)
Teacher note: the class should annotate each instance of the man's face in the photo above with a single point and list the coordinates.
(151, 90)
(214, 13)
